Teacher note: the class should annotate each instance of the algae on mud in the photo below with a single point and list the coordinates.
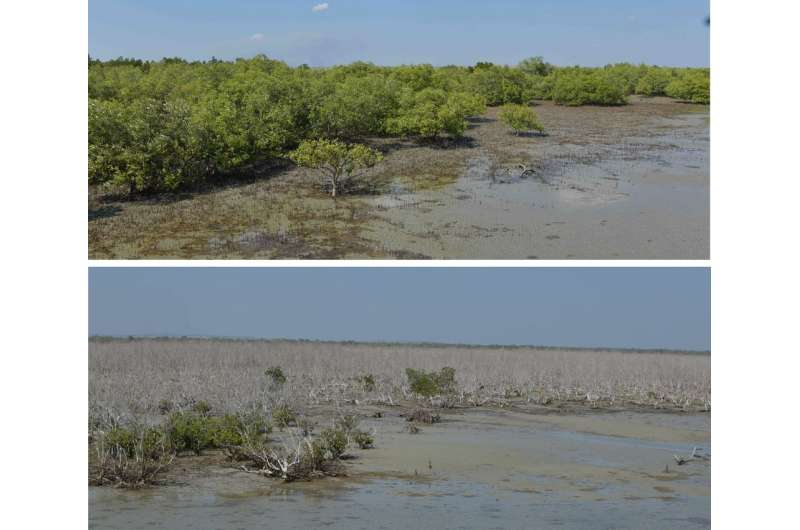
(608, 182)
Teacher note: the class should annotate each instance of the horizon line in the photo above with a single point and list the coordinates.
(96, 337)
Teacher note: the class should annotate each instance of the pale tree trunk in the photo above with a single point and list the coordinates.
(334, 183)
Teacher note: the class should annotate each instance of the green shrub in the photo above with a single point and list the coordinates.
(432, 112)
(452, 117)
(165, 406)
(253, 422)
(230, 429)
(363, 440)
(129, 457)
(283, 416)
(242, 434)
(367, 382)
(520, 118)
(692, 87)
(314, 455)
(421, 120)
(575, 87)
(337, 162)
(167, 125)
(189, 432)
(624, 76)
(539, 88)
(234, 131)
(148, 441)
(421, 382)
(416, 77)
(321, 456)
(225, 431)
(446, 380)
(356, 107)
(654, 82)
(197, 432)
(536, 66)
(275, 375)
(429, 384)
(499, 84)
(143, 146)
(468, 105)
(202, 407)
(334, 442)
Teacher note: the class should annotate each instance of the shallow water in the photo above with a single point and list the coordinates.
(474, 470)
(392, 504)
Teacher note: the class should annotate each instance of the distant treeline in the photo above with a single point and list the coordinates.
(164, 125)
(411, 344)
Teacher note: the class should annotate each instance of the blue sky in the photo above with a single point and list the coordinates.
(565, 32)
(615, 307)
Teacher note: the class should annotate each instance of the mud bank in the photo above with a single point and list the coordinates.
(627, 182)
(475, 469)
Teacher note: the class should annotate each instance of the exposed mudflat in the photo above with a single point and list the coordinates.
(478, 468)
(605, 182)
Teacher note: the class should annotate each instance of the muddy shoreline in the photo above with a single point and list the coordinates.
(478, 466)
(624, 182)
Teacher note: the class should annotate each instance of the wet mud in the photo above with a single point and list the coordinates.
(630, 187)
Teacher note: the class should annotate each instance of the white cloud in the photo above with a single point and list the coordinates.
(257, 36)
(320, 7)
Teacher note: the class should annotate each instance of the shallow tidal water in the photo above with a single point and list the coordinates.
(473, 470)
